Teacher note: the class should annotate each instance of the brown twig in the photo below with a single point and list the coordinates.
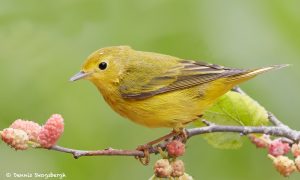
(273, 119)
(107, 152)
(279, 131)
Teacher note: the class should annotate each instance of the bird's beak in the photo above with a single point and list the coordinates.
(79, 76)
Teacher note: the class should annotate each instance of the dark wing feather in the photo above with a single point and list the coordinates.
(186, 74)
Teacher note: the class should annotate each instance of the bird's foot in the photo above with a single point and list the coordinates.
(146, 149)
(177, 133)
(181, 134)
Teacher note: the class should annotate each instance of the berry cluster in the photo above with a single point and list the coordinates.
(22, 133)
(171, 167)
(278, 150)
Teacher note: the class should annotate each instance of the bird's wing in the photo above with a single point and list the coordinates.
(183, 75)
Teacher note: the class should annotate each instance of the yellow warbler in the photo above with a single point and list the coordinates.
(158, 90)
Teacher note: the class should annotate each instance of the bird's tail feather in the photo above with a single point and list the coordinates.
(248, 74)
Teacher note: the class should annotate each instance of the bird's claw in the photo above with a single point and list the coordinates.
(181, 134)
(145, 148)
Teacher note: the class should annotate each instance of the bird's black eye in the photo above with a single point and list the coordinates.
(102, 65)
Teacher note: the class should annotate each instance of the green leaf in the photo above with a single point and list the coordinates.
(233, 109)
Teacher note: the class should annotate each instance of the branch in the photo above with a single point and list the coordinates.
(274, 120)
(279, 131)
(107, 152)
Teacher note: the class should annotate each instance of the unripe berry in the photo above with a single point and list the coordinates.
(283, 165)
(175, 148)
(297, 162)
(51, 131)
(15, 138)
(31, 128)
(296, 150)
(162, 168)
(278, 148)
(178, 168)
(260, 142)
(185, 177)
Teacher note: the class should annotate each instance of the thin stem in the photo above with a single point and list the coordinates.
(279, 131)
(106, 152)
(273, 119)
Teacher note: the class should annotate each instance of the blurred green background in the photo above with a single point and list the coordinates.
(43, 43)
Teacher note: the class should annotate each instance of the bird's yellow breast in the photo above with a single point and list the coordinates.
(173, 109)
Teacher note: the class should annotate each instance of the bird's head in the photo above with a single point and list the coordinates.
(104, 65)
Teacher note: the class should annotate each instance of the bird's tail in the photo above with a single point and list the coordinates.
(248, 74)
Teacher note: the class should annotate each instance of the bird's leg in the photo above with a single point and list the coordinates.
(171, 134)
(175, 132)
(146, 147)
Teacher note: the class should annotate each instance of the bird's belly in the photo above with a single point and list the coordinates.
(173, 109)
(165, 110)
